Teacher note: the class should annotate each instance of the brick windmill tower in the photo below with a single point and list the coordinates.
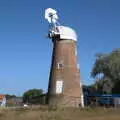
(64, 87)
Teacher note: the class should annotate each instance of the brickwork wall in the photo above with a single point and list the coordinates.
(64, 53)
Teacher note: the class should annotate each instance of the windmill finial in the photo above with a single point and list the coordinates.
(51, 15)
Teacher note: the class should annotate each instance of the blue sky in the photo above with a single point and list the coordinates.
(25, 51)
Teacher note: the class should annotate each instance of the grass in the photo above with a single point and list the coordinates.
(43, 113)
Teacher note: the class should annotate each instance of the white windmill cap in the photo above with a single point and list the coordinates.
(63, 31)
(66, 33)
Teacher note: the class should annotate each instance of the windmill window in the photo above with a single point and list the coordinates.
(59, 86)
(78, 66)
(76, 51)
(59, 65)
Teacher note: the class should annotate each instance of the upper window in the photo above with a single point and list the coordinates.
(59, 65)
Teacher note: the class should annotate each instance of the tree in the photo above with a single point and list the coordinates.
(32, 96)
(106, 71)
(10, 96)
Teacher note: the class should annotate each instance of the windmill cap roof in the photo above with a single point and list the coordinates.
(66, 33)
